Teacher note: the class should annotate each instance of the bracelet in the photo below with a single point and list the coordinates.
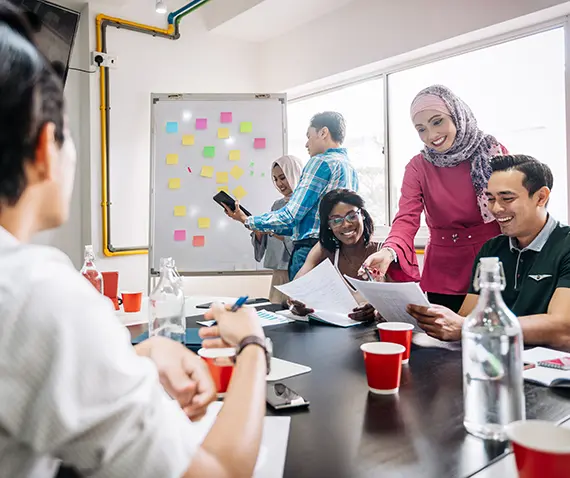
(393, 252)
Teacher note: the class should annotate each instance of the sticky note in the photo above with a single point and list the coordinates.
(252, 164)
(171, 159)
(222, 178)
(259, 143)
(207, 172)
(251, 173)
(172, 127)
(225, 117)
(188, 139)
(223, 133)
(236, 172)
(209, 151)
(224, 188)
(239, 193)
(262, 175)
(235, 155)
(198, 241)
(201, 123)
(180, 235)
(204, 223)
(180, 210)
(246, 127)
(174, 183)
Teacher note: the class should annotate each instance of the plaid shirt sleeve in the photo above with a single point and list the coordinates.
(314, 180)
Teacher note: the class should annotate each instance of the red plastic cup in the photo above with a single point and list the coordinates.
(383, 361)
(131, 301)
(541, 449)
(221, 374)
(397, 333)
(110, 284)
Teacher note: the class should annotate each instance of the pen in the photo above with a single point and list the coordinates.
(242, 300)
(368, 274)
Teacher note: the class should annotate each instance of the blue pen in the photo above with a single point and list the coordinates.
(242, 300)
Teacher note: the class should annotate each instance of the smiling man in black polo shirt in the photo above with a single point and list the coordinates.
(534, 249)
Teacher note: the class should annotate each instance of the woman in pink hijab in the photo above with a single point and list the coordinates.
(447, 181)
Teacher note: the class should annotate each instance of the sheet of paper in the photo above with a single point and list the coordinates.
(188, 140)
(174, 183)
(198, 241)
(259, 143)
(246, 127)
(209, 151)
(203, 222)
(180, 235)
(236, 172)
(171, 159)
(172, 127)
(323, 290)
(224, 188)
(268, 318)
(207, 172)
(538, 354)
(201, 123)
(180, 211)
(290, 315)
(235, 155)
(226, 117)
(223, 133)
(222, 178)
(283, 369)
(239, 193)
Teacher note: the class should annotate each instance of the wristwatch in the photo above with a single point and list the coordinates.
(266, 344)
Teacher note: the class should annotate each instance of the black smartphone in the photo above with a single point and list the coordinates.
(249, 301)
(279, 396)
(224, 198)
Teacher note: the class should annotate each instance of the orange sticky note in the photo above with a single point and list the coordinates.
(239, 193)
(174, 183)
(235, 155)
(188, 140)
(223, 133)
(171, 159)
(198, 241)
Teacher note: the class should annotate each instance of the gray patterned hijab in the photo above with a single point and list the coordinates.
(471, 144)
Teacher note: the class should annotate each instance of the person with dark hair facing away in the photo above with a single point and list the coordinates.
(534, 249)
(345, 238)
(74, 391)
(329, 168)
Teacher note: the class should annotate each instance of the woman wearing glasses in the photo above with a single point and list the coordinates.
(345, 239)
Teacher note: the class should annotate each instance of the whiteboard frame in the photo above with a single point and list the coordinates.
(155, 98)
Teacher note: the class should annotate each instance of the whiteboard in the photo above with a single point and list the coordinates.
(199, 144)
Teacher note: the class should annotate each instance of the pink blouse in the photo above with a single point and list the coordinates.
(456, 228)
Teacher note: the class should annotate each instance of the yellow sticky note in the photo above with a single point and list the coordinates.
(174, 183)
(239, 193)
(171, 159)
(224, 188)
(188, 139)
(222, 178)
(207, 171)
(223, 133)
(235, 155)
(236, 172)
(204, 223)
(180, 210)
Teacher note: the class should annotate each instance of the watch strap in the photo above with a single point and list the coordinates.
(255, 340)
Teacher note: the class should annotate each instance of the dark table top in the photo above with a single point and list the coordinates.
(349, 432)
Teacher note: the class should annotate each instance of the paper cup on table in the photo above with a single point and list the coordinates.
(216, 359)
(397, 333)
(383, 362)
(131, 301)
(541, 449)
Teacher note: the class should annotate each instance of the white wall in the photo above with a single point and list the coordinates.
(369, 31)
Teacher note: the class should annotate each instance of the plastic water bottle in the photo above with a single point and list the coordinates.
(166, 304)
(492, 358)
(90, 272)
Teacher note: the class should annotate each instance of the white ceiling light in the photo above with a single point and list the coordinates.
(161, 7)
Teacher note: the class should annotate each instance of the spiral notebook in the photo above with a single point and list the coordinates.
(545, 375)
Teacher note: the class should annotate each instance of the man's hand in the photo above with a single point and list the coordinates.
(184, 376)
(298, 308)
(237, 214)
(363, 313)
(232, 327)
(438, 321)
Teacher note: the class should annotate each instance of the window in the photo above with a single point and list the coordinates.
(362, 106)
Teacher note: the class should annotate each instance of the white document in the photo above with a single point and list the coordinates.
(390, 299)
(324, 291)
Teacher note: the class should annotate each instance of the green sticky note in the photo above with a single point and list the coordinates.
(209, 151)
(251, 173)
(251, 165)
(262, 175)
(246, 127)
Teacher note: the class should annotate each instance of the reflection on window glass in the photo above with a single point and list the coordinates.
(516, 91)
(362, 106)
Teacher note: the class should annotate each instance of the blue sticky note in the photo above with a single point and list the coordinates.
(172, 127)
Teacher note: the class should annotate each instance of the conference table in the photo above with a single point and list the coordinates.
(349, 432)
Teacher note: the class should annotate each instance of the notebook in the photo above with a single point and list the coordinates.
(549, 377)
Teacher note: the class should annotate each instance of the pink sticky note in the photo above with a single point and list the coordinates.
(180, 235)
(198, 241)
(201, 123)
(259, 143)
(225, 117)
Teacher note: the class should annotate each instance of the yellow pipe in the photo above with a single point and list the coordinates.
(104, 193)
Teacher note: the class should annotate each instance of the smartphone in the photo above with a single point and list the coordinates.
(250, 301)
(224, 198)
(279, 396)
